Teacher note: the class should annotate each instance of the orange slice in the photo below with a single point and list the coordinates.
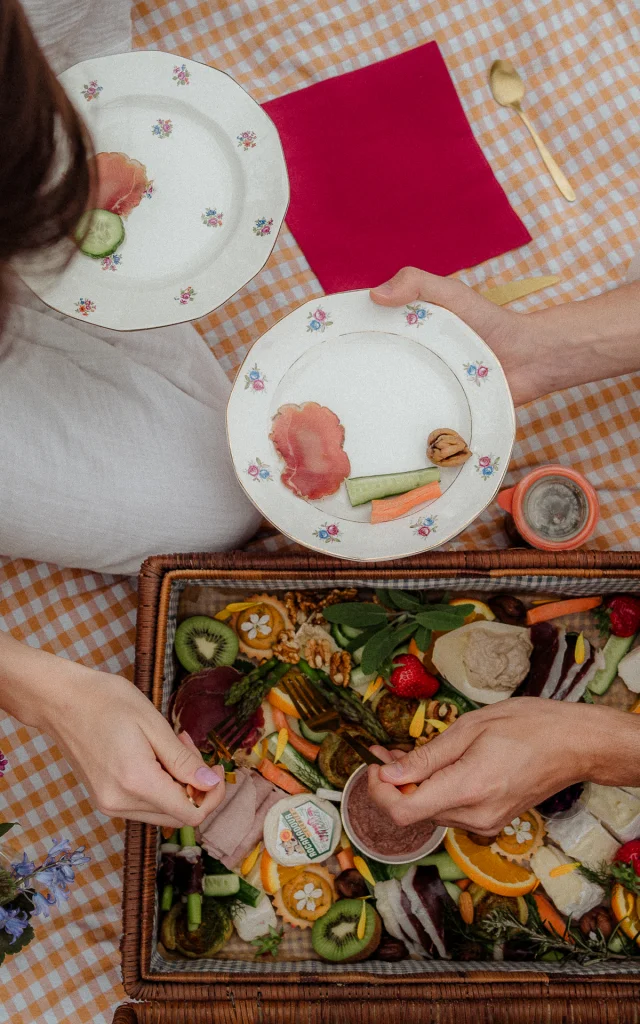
(281, 700)
(305, 897)
(625, 911)
(273, 875)
(480, 610)
(484, 867)
(522, 837)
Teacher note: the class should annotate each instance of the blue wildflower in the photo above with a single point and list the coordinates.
(79, 857)
(13, 921)
(42, 903)
(24, 868)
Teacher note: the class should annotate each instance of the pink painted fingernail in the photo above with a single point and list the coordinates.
(207, 777)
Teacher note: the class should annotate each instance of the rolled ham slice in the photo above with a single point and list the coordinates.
(309, 438)
(121, 182)
(235, 827)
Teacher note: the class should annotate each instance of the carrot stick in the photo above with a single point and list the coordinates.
(345, 859)
(284, 780)
(550, 917)
(463, 883)
(385, 509)
(544, 612)
(305, 747)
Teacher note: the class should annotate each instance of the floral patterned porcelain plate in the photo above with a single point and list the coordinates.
(391, 376)
(205, 189)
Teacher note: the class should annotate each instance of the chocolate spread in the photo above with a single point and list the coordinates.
(375, 829)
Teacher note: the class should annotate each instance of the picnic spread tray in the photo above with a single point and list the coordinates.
(435, 991)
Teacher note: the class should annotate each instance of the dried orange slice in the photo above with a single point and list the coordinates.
(305, 897)
(625, 911)
(273, 875)
(518, 840)
(281, 700)
(259, 625)
(488, 869)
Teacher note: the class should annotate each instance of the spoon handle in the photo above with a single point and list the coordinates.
(555, 172)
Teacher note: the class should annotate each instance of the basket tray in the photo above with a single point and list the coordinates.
(367, 987)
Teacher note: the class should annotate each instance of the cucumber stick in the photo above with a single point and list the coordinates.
(339, 635)
(614, 651)
(447, 867)
(244, 892)
(99, 233)
(368, 488)
(311, 734)
(298, 765)
(221, 885)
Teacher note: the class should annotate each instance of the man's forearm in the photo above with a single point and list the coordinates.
(578, 342)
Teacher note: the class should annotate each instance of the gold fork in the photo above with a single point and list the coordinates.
(319, 715)
(228, 736)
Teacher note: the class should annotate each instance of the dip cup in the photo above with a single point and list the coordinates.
(403, 858)
(515, 499)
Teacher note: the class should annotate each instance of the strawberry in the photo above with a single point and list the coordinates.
(620, 615)
(629, 853)
(411, 679)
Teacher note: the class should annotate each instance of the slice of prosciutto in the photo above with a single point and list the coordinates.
(121, 182)
(309, 438)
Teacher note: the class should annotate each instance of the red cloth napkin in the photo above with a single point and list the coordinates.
(385, 172)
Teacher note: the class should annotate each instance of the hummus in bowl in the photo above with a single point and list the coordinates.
(373, 832)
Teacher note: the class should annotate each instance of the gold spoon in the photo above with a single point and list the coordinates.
(508, 89)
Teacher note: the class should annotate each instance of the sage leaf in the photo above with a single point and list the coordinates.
(423, 638)
(384, 597)
(438, 620)
(5, 826)
(406, 602)
(355, 613)
(383, 644)
(360, 640)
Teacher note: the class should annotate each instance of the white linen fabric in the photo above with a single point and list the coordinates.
(112, 445)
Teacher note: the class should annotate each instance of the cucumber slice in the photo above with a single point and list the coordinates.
(220, 885)
(447, 867)
(246, 892)
(359, 681)
(367, 488)
(454, 891)
(298, 765)
(339, 635)
(309, 734)
(99, 233)
(351, 632)
(614, 651)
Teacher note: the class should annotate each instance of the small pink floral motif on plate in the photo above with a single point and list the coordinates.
(259, 471)
(85, 306)
(180, 74)
(111, 262)
(328, 532)
(254, 379)
(487, 466)
(424, 526)
(476, 372)
(416, 315)
(149, 190)
(162, 128)
(262, 227)
(247, 140)
(91, 91)
(318, 320)
(212, 218)
(185, 296)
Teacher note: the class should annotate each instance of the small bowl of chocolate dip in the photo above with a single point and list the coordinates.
(372, 831)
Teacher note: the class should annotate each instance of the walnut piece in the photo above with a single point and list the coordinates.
(438, 711)
(445, 447)
(317, 652)
(286, 649)
(340, 668)
(337, 597)
(300, 605)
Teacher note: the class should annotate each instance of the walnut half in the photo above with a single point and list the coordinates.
(446, 448)
(340, 668)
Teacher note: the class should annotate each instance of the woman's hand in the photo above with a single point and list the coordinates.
(506, 332)
(493, 764)
(127, 754)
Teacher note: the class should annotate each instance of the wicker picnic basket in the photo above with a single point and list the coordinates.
(442, 992)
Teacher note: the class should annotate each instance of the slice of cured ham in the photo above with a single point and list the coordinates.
(309, 438)
(120, 182)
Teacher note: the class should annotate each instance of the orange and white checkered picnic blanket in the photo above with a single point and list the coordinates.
(580, 67)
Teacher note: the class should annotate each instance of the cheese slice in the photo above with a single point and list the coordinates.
(572, 894)
(583, 838)
(616, 809)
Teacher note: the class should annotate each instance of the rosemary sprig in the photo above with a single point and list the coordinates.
(606, 876)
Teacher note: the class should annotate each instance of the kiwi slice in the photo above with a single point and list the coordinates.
(202, 642)
(335, 935)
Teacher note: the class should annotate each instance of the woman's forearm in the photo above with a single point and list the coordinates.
(578, 342)
(31, 681)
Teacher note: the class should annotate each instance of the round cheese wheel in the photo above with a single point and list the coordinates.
(302, 829)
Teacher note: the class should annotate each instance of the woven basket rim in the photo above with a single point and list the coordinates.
(155, 579)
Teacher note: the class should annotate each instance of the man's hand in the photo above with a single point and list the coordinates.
(506, 332)
(493, 764)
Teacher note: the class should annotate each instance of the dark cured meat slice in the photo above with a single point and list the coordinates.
(425, 941)
(120, 182)
(433, 896)
(199, 706)
(582, 678)
(309, 438)
(545, 638)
